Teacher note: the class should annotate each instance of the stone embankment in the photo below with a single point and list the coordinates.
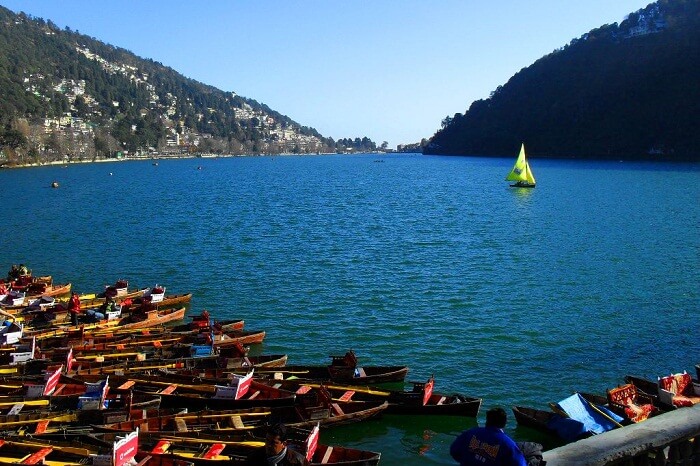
(668, 440)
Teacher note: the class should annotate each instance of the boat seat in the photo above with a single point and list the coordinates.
(213, 451)
(347, 395)
(41, 426)
(126, 385)
(237, 422)
(37, 457)
(59, 389)
(337, 409)
(168, 390)
(16, 408)
(327, 455)
(161, 447)
(636, 406)
(441, 400)
(303, 389)
(180, 424)
(254, 395)
(679, 390)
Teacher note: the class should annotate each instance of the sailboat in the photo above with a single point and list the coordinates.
(521, 173)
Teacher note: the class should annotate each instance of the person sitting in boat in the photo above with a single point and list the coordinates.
(74, 308)
(13, 274)
(276, 450)
(108, 306)
(487, 445)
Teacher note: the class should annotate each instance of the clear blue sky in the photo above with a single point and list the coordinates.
(390, 70)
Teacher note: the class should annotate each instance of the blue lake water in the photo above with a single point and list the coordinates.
(515, 296)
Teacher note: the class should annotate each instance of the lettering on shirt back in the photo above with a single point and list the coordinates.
(483, 448)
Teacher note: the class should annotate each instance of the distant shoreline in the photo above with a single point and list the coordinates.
(153, 158)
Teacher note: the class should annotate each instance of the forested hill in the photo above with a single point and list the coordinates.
(627, 91)
(64, 95)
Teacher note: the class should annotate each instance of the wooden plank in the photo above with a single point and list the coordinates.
(168, 390)
(38, 456)
(213, 451)
(327, 455)
(126, 385)
(41, 426)
(161, 447)
(347, 395)
(303, 389)
(237, 422)
(180, 424)
(337, 409)
(16, 409)
(59, 389)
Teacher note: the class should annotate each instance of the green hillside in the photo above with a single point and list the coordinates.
(627, 91)
(66, 96)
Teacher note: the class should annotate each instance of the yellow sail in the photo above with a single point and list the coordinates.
(521, 170)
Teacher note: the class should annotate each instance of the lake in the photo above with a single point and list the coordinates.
(516, 296)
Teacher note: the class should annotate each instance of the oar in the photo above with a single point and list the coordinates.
(601, 412)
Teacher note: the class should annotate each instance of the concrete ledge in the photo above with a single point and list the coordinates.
(629, 441)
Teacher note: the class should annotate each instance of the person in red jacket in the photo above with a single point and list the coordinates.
(74, 308)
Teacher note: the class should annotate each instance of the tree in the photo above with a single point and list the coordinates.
(12, 138)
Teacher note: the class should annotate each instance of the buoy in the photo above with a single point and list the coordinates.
(54, 184)
(110, 173)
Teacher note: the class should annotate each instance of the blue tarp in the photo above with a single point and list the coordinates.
(593, 421)
(567, 428)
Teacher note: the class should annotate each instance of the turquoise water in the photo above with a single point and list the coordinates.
(515, 296)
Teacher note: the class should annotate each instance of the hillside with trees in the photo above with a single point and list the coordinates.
(67, 96)
(622, 91)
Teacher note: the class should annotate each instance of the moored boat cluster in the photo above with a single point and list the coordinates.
(117, 377)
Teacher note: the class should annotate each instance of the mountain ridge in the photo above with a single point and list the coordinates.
(64, 95)
(624, 91)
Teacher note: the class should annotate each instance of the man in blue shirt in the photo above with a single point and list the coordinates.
(487, 445)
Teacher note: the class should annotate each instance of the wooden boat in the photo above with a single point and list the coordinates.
(342, 370)
(521, 172)
(87, 301)
(28, 452)
(593, 417)
(195, 393)
(421, 400)
(239, 419)
(239, 450)
(203, 322)
(37, 290)
(166, 301)
(46, 421)
(151, 319)
(550, 423)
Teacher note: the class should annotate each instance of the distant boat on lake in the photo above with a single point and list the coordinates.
(521, 172)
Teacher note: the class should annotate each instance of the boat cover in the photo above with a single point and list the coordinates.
(596, 419)
(567, 428)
